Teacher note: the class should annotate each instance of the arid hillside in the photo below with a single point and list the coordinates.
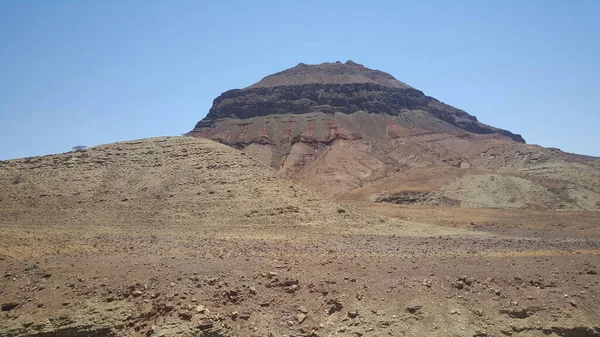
(161, 180)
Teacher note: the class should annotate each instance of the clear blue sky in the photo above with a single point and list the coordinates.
(93, 72)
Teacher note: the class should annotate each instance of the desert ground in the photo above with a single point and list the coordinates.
(178, 236)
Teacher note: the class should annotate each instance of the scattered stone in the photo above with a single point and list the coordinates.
(413, 309)
(334, 306)
(300, 318)
(201, 309)
(252, 290)
(137, 293)
(271, 274)
(466, 280)
(9, 306)
(184, 315)
(353, 313)
(517, 313)
(303, 309)
(232, 295)
(205, 325)
(573, 303)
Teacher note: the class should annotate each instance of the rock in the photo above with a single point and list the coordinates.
(466, 280)
(185, 315)
(353, 313)
(518, 313)
(303, 309)
(137, 293)
(252, 290)
(300, 317)
(204, 325)
(9, 306)
(271, 274)
(458, 285)
(334, 306)
(200, 309)
(414, 308)
(573, 303)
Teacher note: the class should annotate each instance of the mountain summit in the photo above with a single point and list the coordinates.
(346, 88)
(329, 73)
(357, 133)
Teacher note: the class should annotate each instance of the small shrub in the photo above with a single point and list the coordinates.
(79, 148)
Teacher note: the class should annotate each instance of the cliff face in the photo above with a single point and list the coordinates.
(337, 88)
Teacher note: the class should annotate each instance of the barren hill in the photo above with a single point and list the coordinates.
(360, 134)
(160, 180)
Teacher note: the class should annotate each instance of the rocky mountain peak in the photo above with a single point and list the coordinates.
(329, 73)
(330, 89)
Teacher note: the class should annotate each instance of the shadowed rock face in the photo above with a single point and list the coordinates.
(331, 88)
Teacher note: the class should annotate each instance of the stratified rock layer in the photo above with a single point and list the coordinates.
(337, 88)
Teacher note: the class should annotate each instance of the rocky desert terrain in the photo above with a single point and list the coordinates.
(187, 237)
(324, 200)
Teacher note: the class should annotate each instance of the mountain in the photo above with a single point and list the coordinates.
(360, 134)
